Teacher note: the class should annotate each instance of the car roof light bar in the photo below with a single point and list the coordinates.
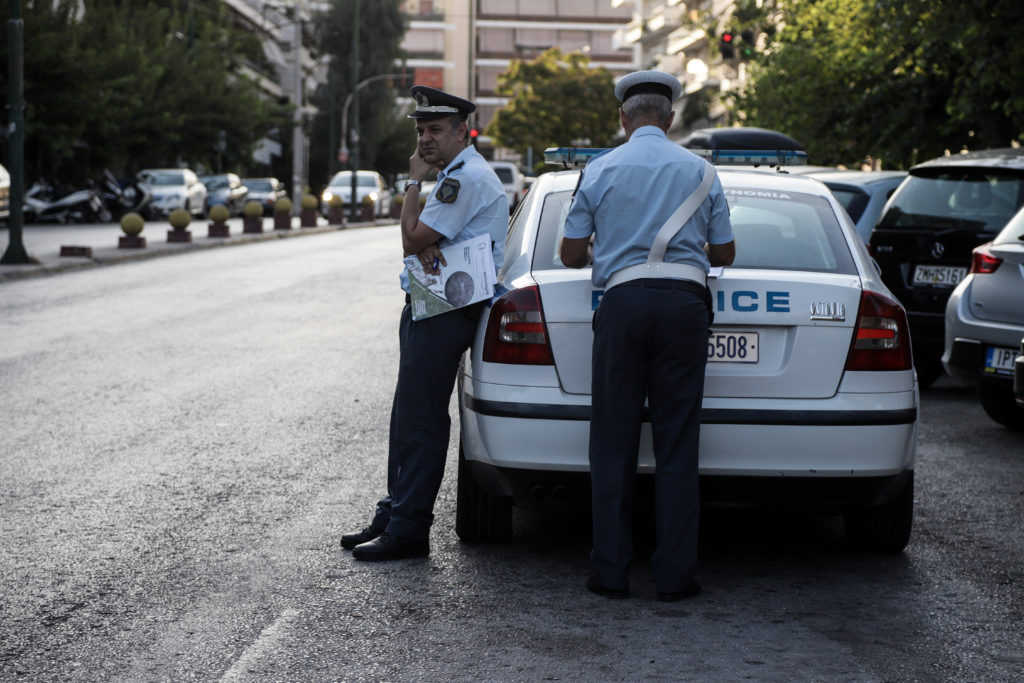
(577, 157)
(753, 157)
(571, 157)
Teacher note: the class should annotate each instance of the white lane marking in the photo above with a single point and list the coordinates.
(268, 639)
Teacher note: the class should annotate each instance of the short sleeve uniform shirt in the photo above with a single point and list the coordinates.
(627, 194)
(468, 201)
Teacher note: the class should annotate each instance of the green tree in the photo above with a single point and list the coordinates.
(555, 99)
(382, 28)
(121, 84)
(897, 80)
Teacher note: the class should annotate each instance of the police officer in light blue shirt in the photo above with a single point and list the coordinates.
(657, 219)
(468, 201)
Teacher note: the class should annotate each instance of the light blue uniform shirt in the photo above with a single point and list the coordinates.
(480, 207)
(626, 195)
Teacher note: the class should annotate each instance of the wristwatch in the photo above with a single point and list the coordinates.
(410, 183)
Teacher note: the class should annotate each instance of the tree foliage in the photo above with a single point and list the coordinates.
(125, 85)
(382, 27)
(555, 99)
(897, 80)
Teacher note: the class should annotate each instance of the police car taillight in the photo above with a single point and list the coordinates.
(516, 332)
(881, 339)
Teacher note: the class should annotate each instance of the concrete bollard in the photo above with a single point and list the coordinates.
(252, 220)
(179, 219)
(131, 225)
(219, 216)
(307, 217)
(283, 214)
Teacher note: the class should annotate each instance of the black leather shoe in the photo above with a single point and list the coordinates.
(690, 590)
(595, 587)
(388, 547)
(349, 541)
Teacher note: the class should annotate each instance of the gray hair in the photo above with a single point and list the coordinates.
(647, 106)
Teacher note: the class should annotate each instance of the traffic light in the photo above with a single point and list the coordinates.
(473, 135)
(727, 44)
(747, 44)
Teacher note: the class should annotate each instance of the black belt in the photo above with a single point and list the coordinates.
(666, 283)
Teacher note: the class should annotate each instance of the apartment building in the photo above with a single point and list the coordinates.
(670, 35)
(463, 45)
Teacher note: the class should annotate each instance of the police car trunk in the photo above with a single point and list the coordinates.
(785, 312)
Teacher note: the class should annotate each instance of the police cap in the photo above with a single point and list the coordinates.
(640, 82)
(432, 103)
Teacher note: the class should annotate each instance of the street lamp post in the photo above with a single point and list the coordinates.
(353, 153)
(15, 252)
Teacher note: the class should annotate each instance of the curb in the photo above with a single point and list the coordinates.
(113, 255)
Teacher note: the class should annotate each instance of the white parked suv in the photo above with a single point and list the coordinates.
(512, 180)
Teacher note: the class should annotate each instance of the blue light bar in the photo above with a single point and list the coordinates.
(577, 157)
(571, 157)
(753, 157)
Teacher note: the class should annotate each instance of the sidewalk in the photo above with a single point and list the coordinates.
(44, 243)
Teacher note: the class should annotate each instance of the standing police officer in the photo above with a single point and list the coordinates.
(651, 207)
(469, 201)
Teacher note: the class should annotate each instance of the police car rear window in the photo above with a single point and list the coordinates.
(777, 231)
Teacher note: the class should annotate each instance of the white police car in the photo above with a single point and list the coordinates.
(810, 397)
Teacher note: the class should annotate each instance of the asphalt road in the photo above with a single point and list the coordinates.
(184, 439)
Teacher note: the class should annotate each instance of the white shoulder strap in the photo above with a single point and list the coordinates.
(678, 219)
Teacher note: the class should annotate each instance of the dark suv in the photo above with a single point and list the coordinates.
(923, 242)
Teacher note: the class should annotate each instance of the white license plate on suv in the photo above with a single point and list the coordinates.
(1000, 360)
(732, 347)
(941, 276)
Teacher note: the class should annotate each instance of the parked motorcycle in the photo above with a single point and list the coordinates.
(124, 197)
(45, 204)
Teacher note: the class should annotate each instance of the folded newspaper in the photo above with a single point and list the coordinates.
(467, 278)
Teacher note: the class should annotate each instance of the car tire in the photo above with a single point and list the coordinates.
(883, 528)
(999, 404)
(479, 516)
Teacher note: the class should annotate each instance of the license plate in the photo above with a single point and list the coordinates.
(941, 276)
(732, 347)
(999, 360)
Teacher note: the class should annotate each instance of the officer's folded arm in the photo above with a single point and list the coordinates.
(575, 251)
(418, 237)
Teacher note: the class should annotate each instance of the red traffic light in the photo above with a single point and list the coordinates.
(474, 133)
(727, 37)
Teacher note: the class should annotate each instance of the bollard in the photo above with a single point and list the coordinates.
(283, 214)
(336, 210)
(307, 217)
(179, 219)
(252, 220)
(369, 209)
(219, 216)
(131, 225)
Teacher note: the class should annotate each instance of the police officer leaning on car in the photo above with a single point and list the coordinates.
(659, 219)
(469, 201)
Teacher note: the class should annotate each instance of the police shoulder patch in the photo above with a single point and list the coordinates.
(448, 190)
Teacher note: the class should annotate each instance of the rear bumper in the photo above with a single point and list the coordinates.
(965, 361)
(845, 450)
(535, 488)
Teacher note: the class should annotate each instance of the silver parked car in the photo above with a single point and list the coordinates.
(985, 323)
(174, 188)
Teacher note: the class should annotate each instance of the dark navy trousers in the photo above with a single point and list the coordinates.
(430, 352)
(650, 341)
